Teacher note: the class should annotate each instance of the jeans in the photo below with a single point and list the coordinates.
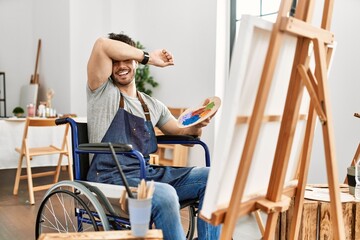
(165, 205)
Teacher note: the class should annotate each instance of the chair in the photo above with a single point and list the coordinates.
(97, 204)
(29, 152)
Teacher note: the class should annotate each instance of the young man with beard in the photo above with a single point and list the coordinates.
(117, 112)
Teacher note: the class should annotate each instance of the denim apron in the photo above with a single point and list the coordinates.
(130, 129)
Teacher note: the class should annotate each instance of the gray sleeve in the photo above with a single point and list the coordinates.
(102, 105)
(164, 114)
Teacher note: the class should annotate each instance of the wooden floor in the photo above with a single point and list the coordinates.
(17, 215)
(17, 219)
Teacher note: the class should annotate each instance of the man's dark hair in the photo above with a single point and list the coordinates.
(123, 38)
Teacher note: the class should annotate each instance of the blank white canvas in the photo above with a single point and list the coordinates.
(246, 68)
(28, 95)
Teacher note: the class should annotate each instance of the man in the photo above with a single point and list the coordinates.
(117, 112)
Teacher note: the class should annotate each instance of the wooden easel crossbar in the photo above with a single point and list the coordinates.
(276, 198)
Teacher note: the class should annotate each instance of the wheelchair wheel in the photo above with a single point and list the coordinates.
(70, 207)
(60, 211)
(188, 220)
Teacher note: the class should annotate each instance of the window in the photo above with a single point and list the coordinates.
(266, 9)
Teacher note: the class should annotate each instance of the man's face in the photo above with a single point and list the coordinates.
(124, 71)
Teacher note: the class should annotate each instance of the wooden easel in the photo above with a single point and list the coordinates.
(277, 198)
(35, 77)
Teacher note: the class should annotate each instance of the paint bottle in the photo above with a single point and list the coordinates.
(31, 110)
(41, 110)
(357, 180)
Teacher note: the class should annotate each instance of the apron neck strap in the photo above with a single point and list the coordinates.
(143, 104)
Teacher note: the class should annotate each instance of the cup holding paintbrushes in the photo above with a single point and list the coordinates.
(139, 208)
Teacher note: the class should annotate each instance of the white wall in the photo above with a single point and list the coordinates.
(17, 47)
(69, 28)
(86, 26)
(51, 24)
(187, 28)
(22, 23)
(344, 85)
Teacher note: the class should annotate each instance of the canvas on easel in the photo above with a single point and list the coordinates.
(262, 150)
(250, 51)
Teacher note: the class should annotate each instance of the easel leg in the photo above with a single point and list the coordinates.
(271, 223)
(304, 168)
(328, 136)
(259, 222)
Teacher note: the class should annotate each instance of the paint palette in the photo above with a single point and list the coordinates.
(193, 116)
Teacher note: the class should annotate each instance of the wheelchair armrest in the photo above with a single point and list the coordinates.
(185, 140)
(118, 147)
(164, 138)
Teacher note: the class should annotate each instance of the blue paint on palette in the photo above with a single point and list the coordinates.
(191, 120)
(193, 116)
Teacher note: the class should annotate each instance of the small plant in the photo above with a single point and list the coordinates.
(144, 82)
(18, 111)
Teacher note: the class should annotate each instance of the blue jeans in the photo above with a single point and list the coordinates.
(165, 205)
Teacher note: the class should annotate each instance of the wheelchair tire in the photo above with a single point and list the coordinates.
(55, 216)
(70, 207)
(188, 220)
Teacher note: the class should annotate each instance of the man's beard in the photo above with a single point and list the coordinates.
(120, 83)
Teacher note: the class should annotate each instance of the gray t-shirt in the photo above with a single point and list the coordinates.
(103, 104)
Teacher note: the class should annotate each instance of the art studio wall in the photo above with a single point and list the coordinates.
(344, 82)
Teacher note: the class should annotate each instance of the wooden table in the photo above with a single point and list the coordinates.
(11, 134)
(153, 234)
(316, 220)
(12, 131)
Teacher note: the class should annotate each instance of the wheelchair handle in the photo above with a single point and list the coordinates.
(60, 121)
(177, 137)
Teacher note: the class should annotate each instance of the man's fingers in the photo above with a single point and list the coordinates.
(168, 55)
(206, 102)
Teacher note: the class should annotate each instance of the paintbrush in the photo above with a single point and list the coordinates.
(141, 189)
(123, 178)
(150, 189)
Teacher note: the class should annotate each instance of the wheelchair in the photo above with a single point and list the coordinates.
(82, 206)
